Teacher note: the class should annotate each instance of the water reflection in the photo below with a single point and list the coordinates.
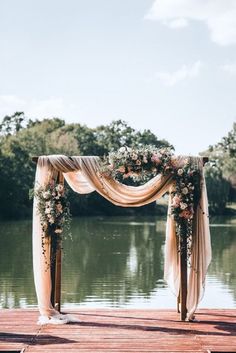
(222, 271)
(113, 262)
(113, 259)
(16, 274)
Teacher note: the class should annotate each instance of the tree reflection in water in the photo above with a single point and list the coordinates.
(110, 261)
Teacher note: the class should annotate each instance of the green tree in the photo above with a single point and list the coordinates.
(218, 189)
(221, 179)
(11, 124)
(22, 138)
(119, 133)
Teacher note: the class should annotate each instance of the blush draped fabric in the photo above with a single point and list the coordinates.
(83, 174)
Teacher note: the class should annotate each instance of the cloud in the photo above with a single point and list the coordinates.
(178, 23)
(33, 108)
(218, 15)
(229, 68)
(185, 72)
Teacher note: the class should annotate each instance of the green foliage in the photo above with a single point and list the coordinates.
(22, 138)
(118, 134)
(221, 178)
(12, 124)
(218, 189)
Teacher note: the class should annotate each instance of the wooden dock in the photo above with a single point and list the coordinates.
(120, 330)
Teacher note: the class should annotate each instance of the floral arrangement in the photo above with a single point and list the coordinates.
(140, 165)
(184, 200)
(54, 211)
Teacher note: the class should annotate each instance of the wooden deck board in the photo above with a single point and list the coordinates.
(120, 330)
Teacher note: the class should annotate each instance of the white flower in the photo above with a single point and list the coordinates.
(48, 210)
(122, 149)
(180, 171)
(51, 220)
(183, 205)
(60, 188)
(134, 156)
(58, 231)
(185, 191)
(145, 159)
(46, 195)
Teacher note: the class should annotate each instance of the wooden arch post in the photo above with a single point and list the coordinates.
(56, 265)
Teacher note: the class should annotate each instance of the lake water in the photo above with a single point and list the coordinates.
(114, 262)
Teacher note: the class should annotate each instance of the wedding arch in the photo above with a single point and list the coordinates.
(185, 275)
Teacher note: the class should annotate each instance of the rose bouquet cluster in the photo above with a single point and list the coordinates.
(187, 191)
(53, 208)
(138, 165)
(184, 200)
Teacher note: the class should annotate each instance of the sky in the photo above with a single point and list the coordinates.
(164, 65)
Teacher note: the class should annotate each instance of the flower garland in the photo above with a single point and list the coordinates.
(54, 211)
(140, 165)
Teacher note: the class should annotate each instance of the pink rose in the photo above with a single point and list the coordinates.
(155, 159)
(186, 214)
(121, 169)
(127, 175)
(176, 201)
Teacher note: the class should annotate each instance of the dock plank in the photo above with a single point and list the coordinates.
(120, 330)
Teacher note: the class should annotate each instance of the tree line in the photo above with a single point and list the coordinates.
(221, 173)
(22, 138)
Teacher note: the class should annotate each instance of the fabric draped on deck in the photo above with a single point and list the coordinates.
(83, 174)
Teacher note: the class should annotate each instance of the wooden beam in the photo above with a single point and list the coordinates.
(57, 294)
(183, 279)
(178, 303)
(35, 159)
(53, 258)
(205, 160)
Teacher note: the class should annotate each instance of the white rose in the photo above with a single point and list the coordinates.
(46, 194)
(60, 188)
(180, 171)
(51, 220)
(134, 157)
(185, 191)
(183, 205)
(145, 160)
(122, 149)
